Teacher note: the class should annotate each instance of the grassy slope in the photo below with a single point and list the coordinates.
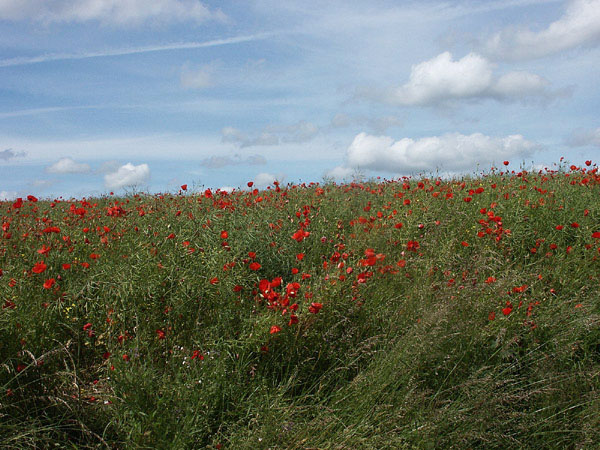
(408, 358)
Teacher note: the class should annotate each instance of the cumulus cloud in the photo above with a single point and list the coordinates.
(67, 165)
(449, 152)
(217, 162)
(262, 180)
(583, 138)
(9, 153)
(442, 80)
(196, 77)
(579, 25)
(127, 176)
(116, 12)
(341, 173)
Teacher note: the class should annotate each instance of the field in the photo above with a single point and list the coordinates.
(413, 313)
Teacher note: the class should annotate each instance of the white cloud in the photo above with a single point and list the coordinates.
(7, 195)
(583, 138)
(262, 180)
(580, 25)
(196, 78)
(441, 80)
(449, 152)
(127, 176)
(117, 12)
(67, 165)
(341, 173)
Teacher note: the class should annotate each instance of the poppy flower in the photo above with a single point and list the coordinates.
(315, 307)
(44, 250)
(224, 235)
(274, 329)
(184, 187)
(87, 326)
(214, 280)
(508, 309)
(39, 267)
(505, 163)
(160, 333)
(49, 283)
(254, 266)
(596, 235)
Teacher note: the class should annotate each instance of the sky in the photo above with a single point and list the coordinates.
(130, 95)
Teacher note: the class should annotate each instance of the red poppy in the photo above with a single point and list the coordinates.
(574, 225)
(505, 163)
(160, 333)
(94, 256)
(300, 256)
(66, 266)
(596, 235)
(255, 266)
(214, 280)
(39, 267)
(315, 307)
(293, 320)
(508, 309)
(274, 329)
(224, 235)
(87, 326)
(49, 283)
(300, 235)
(44, 250)
(492, 315)
(184, 187)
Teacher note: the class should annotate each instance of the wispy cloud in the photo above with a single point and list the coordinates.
(113, 12)
(26, 60)
(579, 25)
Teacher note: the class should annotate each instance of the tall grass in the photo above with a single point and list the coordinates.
(428, 314)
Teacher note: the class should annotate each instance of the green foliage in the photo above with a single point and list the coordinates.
(427, 313)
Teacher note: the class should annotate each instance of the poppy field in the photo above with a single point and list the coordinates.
(412, 313)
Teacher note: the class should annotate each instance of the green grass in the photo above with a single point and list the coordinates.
(437, 337)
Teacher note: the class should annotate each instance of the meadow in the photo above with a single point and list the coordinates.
(412, 313)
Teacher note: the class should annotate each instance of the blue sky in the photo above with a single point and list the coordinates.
(101, 95)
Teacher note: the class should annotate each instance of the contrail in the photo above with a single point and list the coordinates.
(26, 60)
